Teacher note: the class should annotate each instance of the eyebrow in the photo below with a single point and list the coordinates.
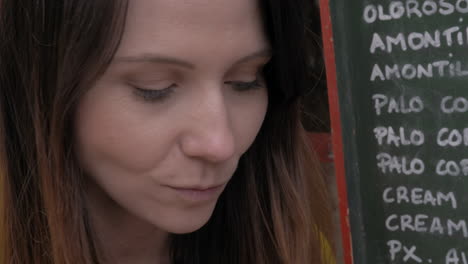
(263, 53)
(161, 59)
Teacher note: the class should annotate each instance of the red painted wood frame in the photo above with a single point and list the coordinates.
(337, 143)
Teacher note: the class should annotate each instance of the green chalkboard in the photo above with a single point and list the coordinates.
(402, 78)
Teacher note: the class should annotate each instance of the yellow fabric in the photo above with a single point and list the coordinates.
(327, 252)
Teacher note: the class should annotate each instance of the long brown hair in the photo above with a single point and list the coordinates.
(274, 210)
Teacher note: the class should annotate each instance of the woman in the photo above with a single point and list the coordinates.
(156, 131)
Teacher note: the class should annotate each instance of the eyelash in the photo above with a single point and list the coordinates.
(245, 86)
(152, 95)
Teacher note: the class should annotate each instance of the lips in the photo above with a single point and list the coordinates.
(197, 188)
(198, 193)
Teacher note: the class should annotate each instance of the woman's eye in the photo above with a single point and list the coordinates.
(245, 86)
(154, 95)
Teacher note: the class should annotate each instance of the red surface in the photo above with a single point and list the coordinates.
(337, 143)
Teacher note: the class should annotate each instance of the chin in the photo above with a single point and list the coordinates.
(186, 225)
(187, 228)
(186, 220)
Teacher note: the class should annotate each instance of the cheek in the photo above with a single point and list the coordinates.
(111, 130)
(248, 118)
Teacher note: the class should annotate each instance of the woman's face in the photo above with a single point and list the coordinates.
(162, 131)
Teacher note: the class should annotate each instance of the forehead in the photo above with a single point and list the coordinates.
(192, 27)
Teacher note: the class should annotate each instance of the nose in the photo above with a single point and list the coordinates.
(209, 135)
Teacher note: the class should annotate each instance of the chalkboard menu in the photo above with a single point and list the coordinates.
(402, 85)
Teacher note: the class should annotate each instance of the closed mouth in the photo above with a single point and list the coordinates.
(197, 188)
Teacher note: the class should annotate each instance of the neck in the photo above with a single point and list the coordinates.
(121, 237)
